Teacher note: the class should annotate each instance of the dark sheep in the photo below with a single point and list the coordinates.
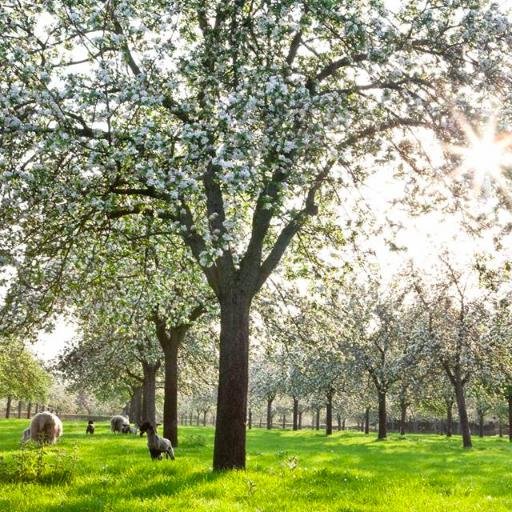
(157, 445)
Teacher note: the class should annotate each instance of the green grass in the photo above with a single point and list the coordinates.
(287, 471)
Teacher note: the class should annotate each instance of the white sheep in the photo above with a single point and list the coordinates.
(157, 445)
(117, 423)
(45, 427)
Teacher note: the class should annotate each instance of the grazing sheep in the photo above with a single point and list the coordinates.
(90, 427)
(157, 445)
(117, 422)
(128, 429)
(45, 427)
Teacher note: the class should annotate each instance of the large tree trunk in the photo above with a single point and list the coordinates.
(269, 413)
(367, 420)
(463, 415)
(8, 407)
(403, 416)
(230, 429)
(382, 415)
(149, 393)
(328, 415)
(295, 413)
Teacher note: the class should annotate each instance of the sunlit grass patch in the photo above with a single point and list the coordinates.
(289, 471)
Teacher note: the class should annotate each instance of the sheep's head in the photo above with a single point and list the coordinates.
(146, 427)
(26, 435)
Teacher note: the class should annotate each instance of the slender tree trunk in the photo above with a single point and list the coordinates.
(367, 420)
(284, 421)
(449, 419)
(269, 413)
(480, 425)
(20, 405)
(230, 430)
(171, 387)
(382, 415)
(509, 399)
(295, 413)
(8, 407)
(300, 421)
(37, 408)
(317, 419)
(343, 424)
(403, 416)
(149, 393)
(338, 419)
(328, 415)
(250, 419)
(500, 427)
(135, 414)
(197, 419)
(170, 340)
(29, 410)
(204, 418)
(261, 422)
(463, 415)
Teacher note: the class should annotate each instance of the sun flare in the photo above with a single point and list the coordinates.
(486, 154)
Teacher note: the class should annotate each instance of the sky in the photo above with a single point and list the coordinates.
(49, 345)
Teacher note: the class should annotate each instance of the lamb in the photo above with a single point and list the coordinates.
(45, 427)
(90, 427)
(157, 445)
(117, 422)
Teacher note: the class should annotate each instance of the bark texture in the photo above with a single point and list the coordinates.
(230, 428)
(382, 434)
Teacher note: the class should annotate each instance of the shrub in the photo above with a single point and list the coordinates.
(40, 464)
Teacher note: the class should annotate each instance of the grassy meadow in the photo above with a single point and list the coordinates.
(287, 471)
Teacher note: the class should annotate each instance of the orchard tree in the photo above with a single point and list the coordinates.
(109, 359)
(380, 334)
(22, 376)
(222, 121)
(458, 327)
(266, 383)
